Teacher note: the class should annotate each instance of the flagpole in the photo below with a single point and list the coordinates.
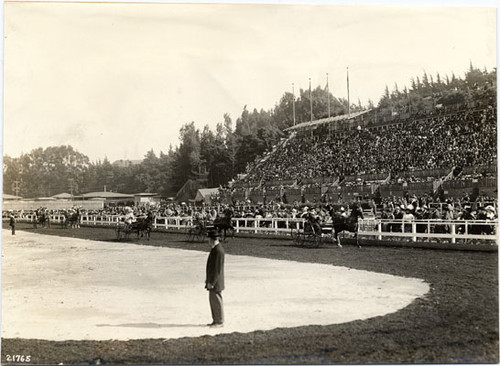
(310, 99)
(293, 102)
(328, 94)
(348, 99)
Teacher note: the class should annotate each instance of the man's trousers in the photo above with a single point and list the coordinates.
(216, 306)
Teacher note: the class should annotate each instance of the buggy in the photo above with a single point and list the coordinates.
(142, 226)
(198, 231)
(312, 234)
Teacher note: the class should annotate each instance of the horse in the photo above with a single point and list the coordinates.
(143, 225)
(224, 224)
(350, 223)
(73, 219)
(41, 218)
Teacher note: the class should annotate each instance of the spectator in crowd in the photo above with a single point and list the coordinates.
(387, 215)
(408, 219)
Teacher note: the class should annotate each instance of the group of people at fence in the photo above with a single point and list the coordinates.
(407, 215)
(397, 215)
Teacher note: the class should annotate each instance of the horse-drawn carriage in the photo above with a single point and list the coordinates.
(198, 231)
(71, 218)
(314, 233)
(142, 226)
(223, 224)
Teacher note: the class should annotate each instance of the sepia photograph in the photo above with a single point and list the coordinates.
(273, 182)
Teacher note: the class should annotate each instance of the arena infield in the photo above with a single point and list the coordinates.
(456, 321)
(60, 288)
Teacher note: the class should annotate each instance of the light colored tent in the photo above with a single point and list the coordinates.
(109, 197)
(44, 199)
(205, 195)
(62, 196)
(106, 195)
(146, 197)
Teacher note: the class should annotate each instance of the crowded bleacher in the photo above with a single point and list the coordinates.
(461, 139)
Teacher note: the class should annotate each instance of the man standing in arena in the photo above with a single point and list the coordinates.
(214, 282)
(12, 222)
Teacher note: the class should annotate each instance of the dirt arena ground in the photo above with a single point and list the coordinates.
(455, 322)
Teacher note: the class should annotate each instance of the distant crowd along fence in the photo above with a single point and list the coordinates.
(374, 228)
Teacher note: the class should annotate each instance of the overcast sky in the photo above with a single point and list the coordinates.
(117, 80)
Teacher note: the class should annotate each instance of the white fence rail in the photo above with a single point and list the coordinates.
(429, 229)
(372, 227)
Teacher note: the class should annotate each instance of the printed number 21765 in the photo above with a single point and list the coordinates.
(18, 358)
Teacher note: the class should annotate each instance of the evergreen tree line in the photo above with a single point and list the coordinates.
(214, 157)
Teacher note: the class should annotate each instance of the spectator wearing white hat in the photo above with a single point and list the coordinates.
(490, 212)
(343, 212)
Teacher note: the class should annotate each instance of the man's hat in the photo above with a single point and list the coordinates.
(212, 233)
(490, 208)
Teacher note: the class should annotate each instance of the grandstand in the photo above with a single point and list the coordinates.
(447, 152)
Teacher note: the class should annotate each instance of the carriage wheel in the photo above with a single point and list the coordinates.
(200, 236)
(229, 232)
(118, 233)
(308, 239)
(317, 241)
(295, 234)
(301, 239)
(192, 234)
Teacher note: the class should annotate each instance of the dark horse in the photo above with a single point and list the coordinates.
(72, 218)
(224, 224)
(143, 225)
(41, 218)
(350, 223)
